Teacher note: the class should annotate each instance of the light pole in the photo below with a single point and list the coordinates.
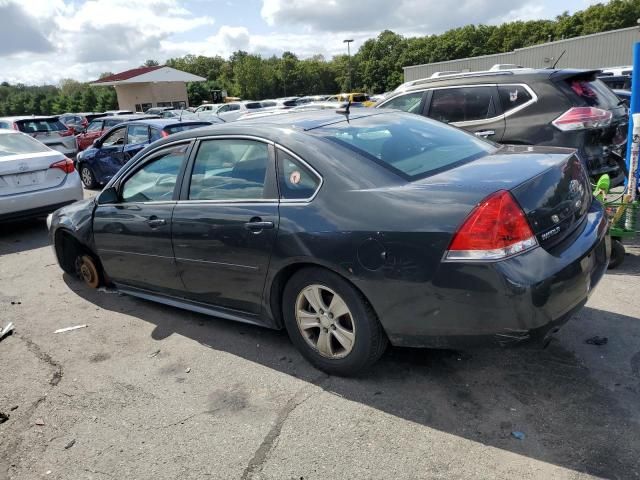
(348, 42)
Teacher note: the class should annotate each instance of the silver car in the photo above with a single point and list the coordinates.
(48, 130)
(34, 179)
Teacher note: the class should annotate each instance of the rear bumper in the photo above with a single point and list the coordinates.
(506, 302)
(41, 202)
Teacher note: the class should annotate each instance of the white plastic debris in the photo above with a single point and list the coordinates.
(5, 331)
(68, 329)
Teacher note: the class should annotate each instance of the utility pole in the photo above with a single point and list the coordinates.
(348, 42)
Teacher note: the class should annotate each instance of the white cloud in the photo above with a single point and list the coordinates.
(426, 16)
(82, 40)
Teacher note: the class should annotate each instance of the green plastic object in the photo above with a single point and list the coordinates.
(602, 187)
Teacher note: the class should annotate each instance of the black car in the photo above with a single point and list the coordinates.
(563, 108)
(349, 231)
(616, 82)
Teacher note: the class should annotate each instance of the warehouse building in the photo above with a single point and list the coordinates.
(606, 49)
(142, 88)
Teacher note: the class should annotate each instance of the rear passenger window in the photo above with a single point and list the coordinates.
(229, 170)
(462, 104)
(512, 96)
(137, 134)
(407, 103)
(296, 181)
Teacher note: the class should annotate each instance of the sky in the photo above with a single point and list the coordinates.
(44, 41)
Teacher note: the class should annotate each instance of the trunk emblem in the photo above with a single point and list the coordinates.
(550, 233)
(555, 218)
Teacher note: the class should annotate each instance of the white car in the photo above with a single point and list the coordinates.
(34, 179)
(48, 130)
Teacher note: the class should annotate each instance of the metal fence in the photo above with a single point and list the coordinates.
(606, 49)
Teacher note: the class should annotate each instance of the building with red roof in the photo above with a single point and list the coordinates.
(141, 88)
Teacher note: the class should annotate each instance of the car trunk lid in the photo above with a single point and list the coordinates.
(50, 131)
(24, 173)
(550, 185)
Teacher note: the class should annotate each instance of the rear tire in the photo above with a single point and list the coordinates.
(617, 253)
(337, 331)
(87, 176)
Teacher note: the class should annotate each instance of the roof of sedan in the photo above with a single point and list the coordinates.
(165, 122)
(307, 120)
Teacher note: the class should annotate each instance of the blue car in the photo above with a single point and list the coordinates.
(117, 146)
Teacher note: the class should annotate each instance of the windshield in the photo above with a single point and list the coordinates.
(411, 146)
(18, 144)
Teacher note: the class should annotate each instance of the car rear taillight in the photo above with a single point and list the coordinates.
(65, 165)
(579, 118)
(497, 228)
(66, 133)
(164, 134)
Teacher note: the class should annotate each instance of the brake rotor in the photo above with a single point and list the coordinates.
(87, 271)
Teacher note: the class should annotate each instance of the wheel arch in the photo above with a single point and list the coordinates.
(67, 247)
(280, 279)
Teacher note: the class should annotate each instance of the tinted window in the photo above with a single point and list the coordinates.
(234, 106)
(512, 96)
(253, 105)
(114, 138)
(410, 145)
(594, 93)
(137, 134)
(269, 103)
(46, 125)
(295, 180)
(156, 180)
(407, 103)
(229, 170)
(462, 104)
(111, 123)
(156, 134)
(16, 143)
(95, 126)
(360, 98)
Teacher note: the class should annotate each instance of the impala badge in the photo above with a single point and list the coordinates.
(550, 233)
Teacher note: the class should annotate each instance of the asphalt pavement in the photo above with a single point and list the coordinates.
(147, 391)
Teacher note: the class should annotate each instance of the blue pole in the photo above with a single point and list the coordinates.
(635, 98)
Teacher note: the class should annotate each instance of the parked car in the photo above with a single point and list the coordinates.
(109, 153)
(287, 102)
(34, 179)
(158, 110)
(348, 231)
(233, 110)
(622, 82)
(46, 129)
(311, 98)
(77, 122)
(356, 98)
(118, 112)
(98, 126)
(209, 107)
(564, 108)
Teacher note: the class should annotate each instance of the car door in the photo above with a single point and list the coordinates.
(226, 222)
(137, 139)
(93, 131)
(133, 235)
(473, 108)
(108, 157)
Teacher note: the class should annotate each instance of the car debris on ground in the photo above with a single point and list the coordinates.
(6, 330)
(68, 329)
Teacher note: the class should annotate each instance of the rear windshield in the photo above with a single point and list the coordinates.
(411, 146)
(181, 128)
(17, 144)
(41, 125)
(253, 105)
(593, 92)
(360, 97)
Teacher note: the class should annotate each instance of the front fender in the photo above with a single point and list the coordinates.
(77, 220)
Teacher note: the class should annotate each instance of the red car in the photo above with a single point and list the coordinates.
(98, 126)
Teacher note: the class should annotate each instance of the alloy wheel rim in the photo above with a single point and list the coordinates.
(86, 176)
(325, 321)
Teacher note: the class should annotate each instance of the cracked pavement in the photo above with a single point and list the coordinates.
(222, 400)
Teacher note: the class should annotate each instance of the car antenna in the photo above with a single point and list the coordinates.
(346, 109)
(556, 62)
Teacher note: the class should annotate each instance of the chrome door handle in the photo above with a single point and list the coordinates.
(258, 226)
(485, 133)
(156, 222)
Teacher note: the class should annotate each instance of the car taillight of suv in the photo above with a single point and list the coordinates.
(579, 118)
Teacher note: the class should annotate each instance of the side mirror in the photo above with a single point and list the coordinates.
(108, 196)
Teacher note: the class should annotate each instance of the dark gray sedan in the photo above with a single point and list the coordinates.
(350, 231)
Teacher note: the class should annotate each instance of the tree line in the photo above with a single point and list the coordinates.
(376, 67)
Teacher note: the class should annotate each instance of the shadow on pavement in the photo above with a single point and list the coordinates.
(568, 418)
(22, 236)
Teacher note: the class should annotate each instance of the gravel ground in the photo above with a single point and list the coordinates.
(152, 392)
